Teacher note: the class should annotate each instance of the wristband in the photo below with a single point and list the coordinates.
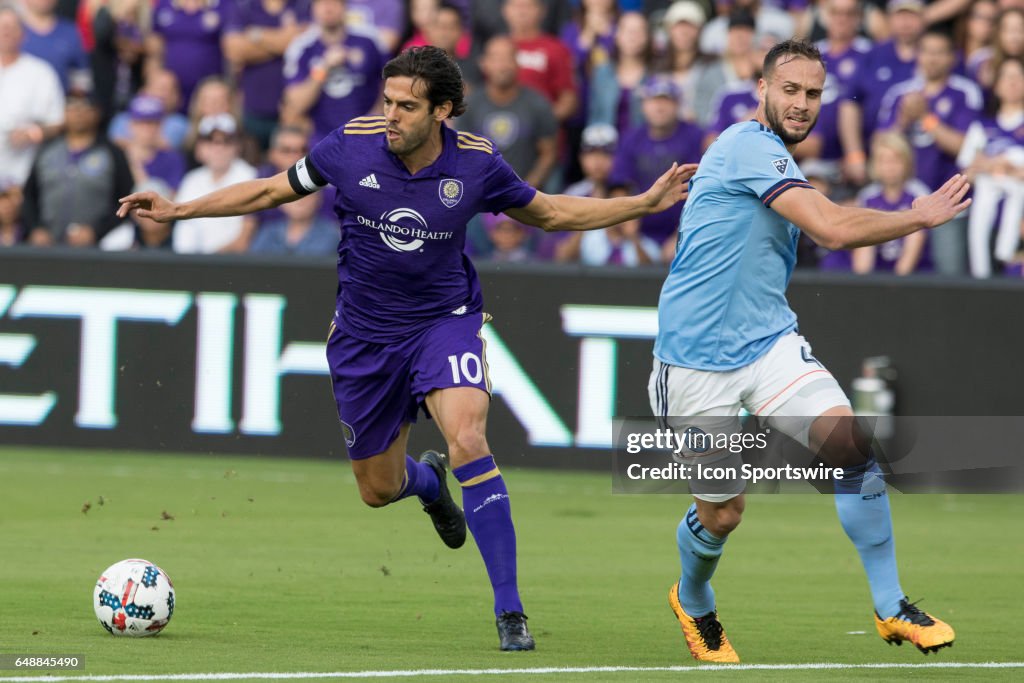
(856, 158)
(318, 74)
(929, 123)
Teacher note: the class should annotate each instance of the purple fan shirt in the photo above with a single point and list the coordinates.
(349, 91)
(842, 71)
(367, 17)
(401, 265)
(640, 160)
(167, 165)
(584, 59)
(1000, 137)
(191, 43)
(956, 105)
(733, 104)
(61, 48)
(888, 254)
(881, 69)
(263, 84)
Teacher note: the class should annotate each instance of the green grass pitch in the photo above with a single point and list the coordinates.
(280, 568)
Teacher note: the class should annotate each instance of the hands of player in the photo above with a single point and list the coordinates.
(945, 203)
(147, 205)
(670, 189)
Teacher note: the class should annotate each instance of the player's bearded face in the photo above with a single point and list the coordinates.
(793, 99)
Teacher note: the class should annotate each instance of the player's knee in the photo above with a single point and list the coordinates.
(722, 520)
(378, 494)
(468, 443)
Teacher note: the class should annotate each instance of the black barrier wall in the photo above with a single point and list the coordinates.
(140, 351)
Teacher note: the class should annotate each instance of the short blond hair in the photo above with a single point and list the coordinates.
(898, 143)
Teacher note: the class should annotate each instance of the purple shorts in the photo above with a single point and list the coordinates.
(380, 387)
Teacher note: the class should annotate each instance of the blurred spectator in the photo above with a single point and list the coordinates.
(301, 230)
(885, 65)
(174, 127)
(993, 156)
(384, 21)
(976, 38)
(33, 101)
(449, 33)
(422, 16)
(213, 96)
(332, 75)
(808, 253)
(590, 36)
(510, 239)
(646, 152)
(844, 53)
(597, 153)
(894, 189)
(740, 62)
(619, 245)
(773, 25)
(545, 64)
(217, 149)
(1009, 42)
(682, 59)
(256, 35)
(186, 40)
(72, 193)
(613, 96)
(53, 39)
(147, 151)
(118, 32)
(11, 232)
(517, 118)
(934, 110)
(488, 20)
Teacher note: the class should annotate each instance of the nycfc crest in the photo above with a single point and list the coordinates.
(450, 192)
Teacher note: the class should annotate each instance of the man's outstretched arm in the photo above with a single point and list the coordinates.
(234, 200)
(564, 212)
(845, 227)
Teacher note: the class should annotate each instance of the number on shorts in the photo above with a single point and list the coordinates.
(468, 367)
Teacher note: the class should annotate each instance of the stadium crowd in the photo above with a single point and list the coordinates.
(586, 97)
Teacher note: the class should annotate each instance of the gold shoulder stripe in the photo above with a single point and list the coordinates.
(476, 138)
(364, 131)
(478, 148)
(366, 124)
(360, 119)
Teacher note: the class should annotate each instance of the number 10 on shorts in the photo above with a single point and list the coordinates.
(467, 367)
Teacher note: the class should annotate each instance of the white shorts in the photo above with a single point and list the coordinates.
(786, 388)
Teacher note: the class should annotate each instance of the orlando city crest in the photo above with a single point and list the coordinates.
(450, 192)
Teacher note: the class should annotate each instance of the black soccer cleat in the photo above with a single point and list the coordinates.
(515, 637)
(448, 518)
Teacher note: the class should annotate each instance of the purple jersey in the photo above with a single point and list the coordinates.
(888, 254)
(640, 160)
(733, 103)
(401, 265)
(999, 134)
(350, 90)
(956, 105)
(191, 43)
(167, 165)
(262, 84)
(842, 71)
(881, 69)
(61, 48)
(367, 17)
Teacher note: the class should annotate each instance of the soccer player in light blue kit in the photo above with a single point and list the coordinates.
(728, 340)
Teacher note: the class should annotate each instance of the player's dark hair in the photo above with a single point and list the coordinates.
(435, 69)
(791, 49)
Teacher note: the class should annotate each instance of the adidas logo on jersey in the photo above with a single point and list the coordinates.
(370, 181)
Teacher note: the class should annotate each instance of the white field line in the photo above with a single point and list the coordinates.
(412, 673)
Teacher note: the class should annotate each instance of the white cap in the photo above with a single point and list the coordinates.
(684, 10)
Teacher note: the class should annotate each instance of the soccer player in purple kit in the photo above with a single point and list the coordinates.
(406, 331)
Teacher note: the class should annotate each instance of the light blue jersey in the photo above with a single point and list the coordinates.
(724, 302)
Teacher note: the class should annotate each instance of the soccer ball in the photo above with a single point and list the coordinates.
(134, 598)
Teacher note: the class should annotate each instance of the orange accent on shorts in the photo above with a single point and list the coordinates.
(787, 387)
